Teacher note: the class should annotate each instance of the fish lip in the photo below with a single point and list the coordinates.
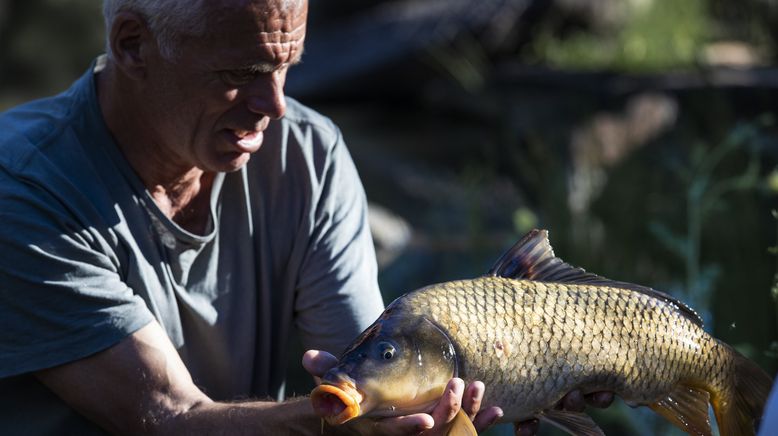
(344, 390)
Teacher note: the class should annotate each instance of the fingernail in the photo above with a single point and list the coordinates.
(477, 389)
(457, 385)
(422, 428)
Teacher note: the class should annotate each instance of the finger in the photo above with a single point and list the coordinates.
(487, 418)
(450, 403)
(600, 399)
(318, 362)
(526, 428)
(401, 425)
(471, 400)
(573, 401)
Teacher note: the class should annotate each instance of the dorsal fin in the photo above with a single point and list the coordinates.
(532, 258)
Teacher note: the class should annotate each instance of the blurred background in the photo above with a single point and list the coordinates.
(641, 133)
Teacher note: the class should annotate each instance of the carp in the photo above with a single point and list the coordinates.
(533, 329)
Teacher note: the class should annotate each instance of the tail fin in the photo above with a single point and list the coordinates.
(740, 407)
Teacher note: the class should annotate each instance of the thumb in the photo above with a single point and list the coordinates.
(317, 362)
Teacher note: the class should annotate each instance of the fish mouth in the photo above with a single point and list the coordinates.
(336, 404)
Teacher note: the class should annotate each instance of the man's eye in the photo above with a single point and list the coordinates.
(237, 77)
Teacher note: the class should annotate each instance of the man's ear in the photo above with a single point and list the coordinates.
(130, 40)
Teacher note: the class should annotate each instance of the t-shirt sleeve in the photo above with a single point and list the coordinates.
(61, 294)
(337, 292)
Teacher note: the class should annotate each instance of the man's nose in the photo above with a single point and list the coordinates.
(266, 95)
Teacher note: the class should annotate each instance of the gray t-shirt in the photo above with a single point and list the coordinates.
(87, 258)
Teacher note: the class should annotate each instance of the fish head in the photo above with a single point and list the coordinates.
(399, 365)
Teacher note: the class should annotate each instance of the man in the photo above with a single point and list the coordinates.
(145, 257)
(150, 272)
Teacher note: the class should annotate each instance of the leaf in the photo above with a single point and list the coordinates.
(676, 244)
(772, 350)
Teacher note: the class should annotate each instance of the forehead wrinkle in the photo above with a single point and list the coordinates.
(295, 56)
(287, 13)
(267, 67)
(286, 52)
(277, 36)
(244, 33)
(283, 15)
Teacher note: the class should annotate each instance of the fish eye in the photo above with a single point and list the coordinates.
(386, 350)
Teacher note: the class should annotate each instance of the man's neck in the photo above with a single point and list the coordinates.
(187, 204)
(181, 191)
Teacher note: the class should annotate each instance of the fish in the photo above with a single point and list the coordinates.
(533, 329)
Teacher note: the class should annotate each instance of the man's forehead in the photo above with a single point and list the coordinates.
(248, 29)
(281, 36)
(288, 14)
(268, 21)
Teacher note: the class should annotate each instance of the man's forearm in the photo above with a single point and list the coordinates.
(141, 386)
(293, 417)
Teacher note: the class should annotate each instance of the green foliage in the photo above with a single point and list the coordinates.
(655, 35)
(705, 192)
(524, 220)
(772, 351)
(45, 45)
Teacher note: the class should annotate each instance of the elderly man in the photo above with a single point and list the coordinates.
(150, 272)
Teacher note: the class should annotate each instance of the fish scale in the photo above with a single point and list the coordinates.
(533, 329)
(521, 328)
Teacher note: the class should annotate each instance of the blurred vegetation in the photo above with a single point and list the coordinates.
(45, 44)
(705, 192)
(652, 35)
(670, 184)
(649, 36)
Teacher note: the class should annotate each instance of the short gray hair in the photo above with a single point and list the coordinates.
(168, 20)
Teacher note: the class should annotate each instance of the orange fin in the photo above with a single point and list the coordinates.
(575, 423)
(750, 387)
(686, 408)
(461, 425)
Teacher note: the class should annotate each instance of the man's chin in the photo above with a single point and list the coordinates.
(229, 162)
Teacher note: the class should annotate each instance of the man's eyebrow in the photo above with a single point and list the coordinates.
(269, 67)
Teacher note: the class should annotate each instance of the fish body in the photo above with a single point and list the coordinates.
(534, 329)
(532, 342)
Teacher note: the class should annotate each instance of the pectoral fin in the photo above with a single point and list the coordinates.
(687, 408)
(575, 423)
(461, 425)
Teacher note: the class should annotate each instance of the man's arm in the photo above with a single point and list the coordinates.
(141, 386)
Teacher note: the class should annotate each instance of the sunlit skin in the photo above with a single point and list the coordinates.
(204, 110)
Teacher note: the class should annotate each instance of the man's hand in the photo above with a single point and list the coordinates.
(318, 362)
(455, 396)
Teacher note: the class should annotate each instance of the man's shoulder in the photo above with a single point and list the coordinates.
(302, 144)
(46, 148)
(27, 129)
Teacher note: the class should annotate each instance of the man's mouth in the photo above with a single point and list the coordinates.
(247, 141)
